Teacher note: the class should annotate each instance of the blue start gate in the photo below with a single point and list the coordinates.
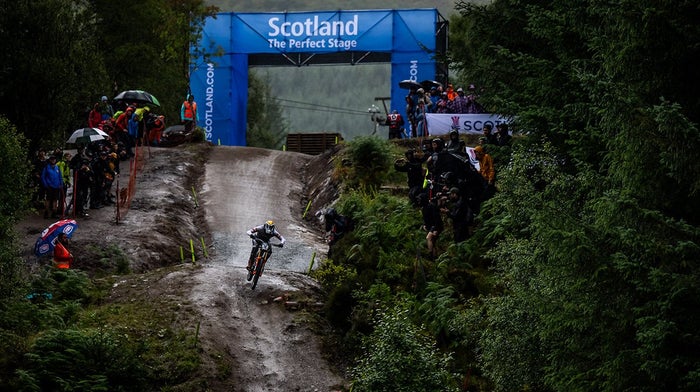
(411, 40)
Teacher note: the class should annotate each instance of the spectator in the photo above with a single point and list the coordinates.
(336, 224)
(489, 136)
(395, 122)
(62, 257)
(188, 113)
(443, 104)
(460, 213)
(503, 138)
(455, 145)
(155, 126)
(141, 117)
(473, 106)
(84, 181)
(411, 112)
(111, 173)
(122, 130)
(64, 166)
(487, 171)
(471, 188)
(413, 167)
(451, 94)
(422, 107)
(443, 161)
(122, 122)
(38, 164)
(133, 129)
(52, 180)
(432, 221)
(99, 169)
(106, 109)
(434, 98)
(459, 103)
(94, 117)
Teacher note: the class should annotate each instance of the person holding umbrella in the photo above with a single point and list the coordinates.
(62, 257)
(52, 180)
(188, 113)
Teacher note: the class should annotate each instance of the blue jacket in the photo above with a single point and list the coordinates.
(51, 177)
(133, 126)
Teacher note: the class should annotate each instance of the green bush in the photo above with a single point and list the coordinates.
(82, 360)
(400, 357)
(370, 158)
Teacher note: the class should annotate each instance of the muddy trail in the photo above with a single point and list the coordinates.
(267, 339)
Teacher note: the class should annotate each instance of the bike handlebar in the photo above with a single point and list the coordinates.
(259, 240)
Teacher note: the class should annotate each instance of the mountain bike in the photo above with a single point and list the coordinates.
(262, 254)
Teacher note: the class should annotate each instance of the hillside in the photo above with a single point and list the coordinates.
(248, 340)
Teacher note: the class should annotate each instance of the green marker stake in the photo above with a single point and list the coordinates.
(194, 194)
(204, 247)
(192, 250)
(311, 266)
(307, 209)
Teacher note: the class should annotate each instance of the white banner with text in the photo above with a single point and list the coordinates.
(442, 124)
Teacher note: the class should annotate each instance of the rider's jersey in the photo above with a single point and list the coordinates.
(259, 231)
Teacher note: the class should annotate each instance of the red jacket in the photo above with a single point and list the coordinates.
(123, 121)
(94, 118)
(61, 256)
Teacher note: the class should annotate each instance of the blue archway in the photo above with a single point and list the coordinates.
(408, 39)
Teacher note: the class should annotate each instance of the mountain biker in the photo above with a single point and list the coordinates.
(263, 232)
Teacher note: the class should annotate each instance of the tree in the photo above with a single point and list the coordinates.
(266, 126)
(14, 196)
(146, 46)
(60, 56)
(597, 213)
(51, 67)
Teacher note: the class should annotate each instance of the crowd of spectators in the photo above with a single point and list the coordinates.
(128, 123)
(445, 186)
(63, 183)
(419, 102)
(66, 185)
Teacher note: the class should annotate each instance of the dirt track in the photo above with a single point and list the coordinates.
(271, 350)
(249, 340)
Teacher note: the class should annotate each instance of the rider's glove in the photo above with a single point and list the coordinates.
(281, 245)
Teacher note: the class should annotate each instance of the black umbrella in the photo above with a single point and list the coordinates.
(138, 96)
(409, 84)
(428, 84)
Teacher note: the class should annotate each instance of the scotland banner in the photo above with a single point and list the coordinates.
(219, 68)
(442, 124)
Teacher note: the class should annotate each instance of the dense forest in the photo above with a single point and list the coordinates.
(581, 273)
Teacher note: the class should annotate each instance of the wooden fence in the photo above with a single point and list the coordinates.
(312, 143)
